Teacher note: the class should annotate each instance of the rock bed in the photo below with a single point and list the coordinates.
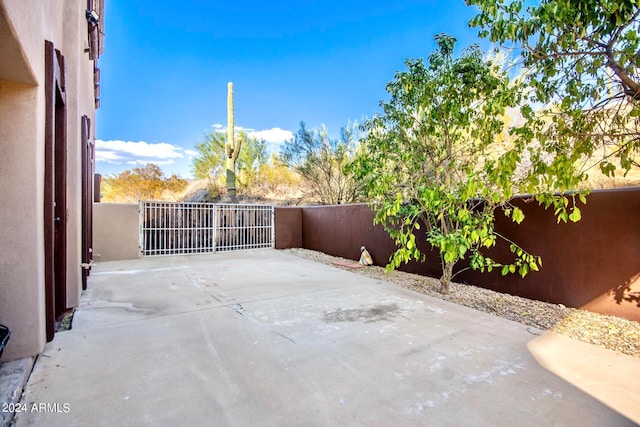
(610, 332)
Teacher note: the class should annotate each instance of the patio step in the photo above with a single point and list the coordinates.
(13, 378)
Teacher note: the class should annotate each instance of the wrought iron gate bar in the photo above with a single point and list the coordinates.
(169, 228)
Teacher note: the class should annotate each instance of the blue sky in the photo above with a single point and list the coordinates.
(166, 65)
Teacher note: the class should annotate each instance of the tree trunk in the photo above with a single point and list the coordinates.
(445, 280)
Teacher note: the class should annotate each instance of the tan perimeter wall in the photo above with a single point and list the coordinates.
(593, 264)
(115, 231)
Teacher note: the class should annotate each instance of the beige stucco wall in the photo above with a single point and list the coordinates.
(115, 231)
(21, 219)
(24, 27)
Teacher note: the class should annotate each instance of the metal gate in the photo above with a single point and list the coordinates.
(170, 228)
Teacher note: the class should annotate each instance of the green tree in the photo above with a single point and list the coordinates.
(583, 68)
(251, 158)
(427, 161)
(211, 159)
(276, 177)
(322, 162)
(143, 183)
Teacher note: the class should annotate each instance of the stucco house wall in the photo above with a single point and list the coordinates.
(25, 25)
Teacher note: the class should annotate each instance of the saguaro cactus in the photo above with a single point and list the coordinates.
(233, 145)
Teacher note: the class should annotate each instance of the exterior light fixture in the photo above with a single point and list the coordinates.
(92, 17)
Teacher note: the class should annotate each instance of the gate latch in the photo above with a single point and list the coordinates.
(88, 265)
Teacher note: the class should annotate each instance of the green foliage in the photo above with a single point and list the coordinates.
(275, 177)
(210, 162)
(426, 160)
(323, 163)
(143, 183)
(211, 155)
(583, 68)
(250, 160)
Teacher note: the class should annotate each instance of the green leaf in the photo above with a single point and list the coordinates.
(411, 244)
(461, 251)
(562, 217)
(518, 215)
(523, 270)
(575, 215)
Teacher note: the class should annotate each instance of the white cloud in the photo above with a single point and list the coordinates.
(155, 162)
(108, 156)
(236, 128)
(191, 153)
(273, 135)
(116, 152)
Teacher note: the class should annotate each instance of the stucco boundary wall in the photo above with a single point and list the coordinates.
(592, 264)
(115, 231)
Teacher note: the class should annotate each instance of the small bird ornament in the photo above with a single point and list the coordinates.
(365, 256)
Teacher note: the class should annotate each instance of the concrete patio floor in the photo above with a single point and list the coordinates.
(266, 338)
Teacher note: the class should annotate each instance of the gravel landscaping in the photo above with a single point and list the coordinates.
(614, 333)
